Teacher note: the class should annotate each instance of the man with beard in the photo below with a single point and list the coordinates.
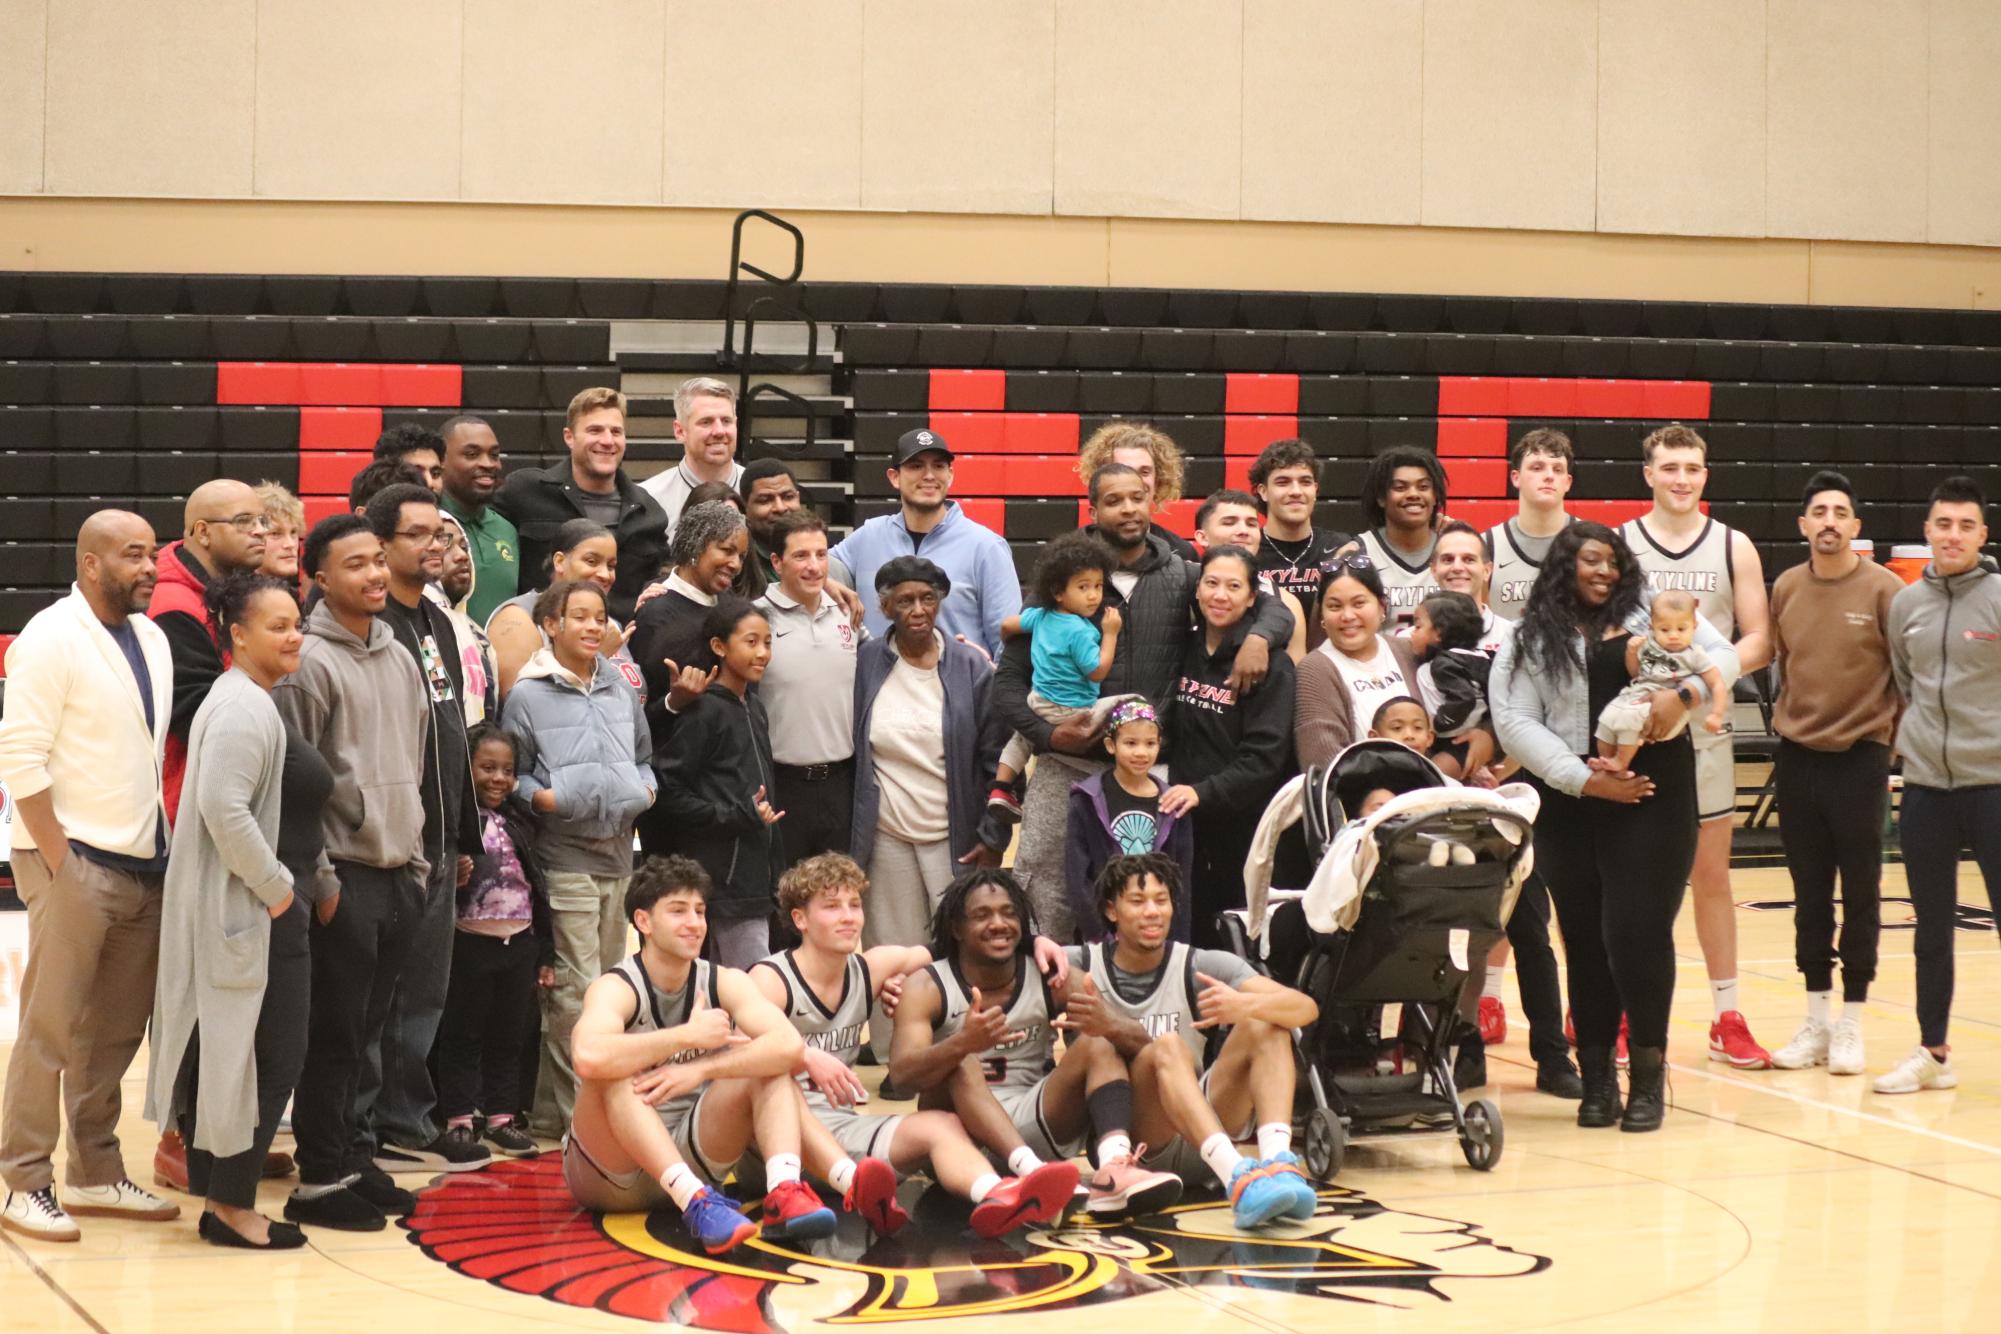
(770, 492)
(1294, 553)
(419, 447)
(705, 424)
(1539, 470)
(1679, 547)
(481, 699)
(1459, 564)
(90, 684)
(406, 520)
(1153, 589)
(471, 479)
(1835, 716)
(986, 590)
(1402, 496)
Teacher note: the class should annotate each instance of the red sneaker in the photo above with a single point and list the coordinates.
(794, 1209)
(1620, 1055)
(1569, 1029)
(872, 1194)
(1493, 1021)
(1035, 1198)
(1730, 1040)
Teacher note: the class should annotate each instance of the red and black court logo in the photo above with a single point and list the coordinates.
(514, 1225)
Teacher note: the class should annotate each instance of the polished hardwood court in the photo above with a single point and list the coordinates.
(1770, 1200)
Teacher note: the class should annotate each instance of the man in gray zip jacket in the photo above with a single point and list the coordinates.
(1945, 652)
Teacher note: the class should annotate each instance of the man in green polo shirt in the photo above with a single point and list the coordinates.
(472, 476)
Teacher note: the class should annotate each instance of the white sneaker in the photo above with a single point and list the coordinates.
(121, 1199)
(35, 1213)
(1844, 1053)
(1807, 1049)
(1920, 1070)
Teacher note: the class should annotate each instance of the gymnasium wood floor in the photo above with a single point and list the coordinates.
(1770, 1200)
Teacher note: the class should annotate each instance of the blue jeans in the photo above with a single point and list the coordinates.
(396, 1099)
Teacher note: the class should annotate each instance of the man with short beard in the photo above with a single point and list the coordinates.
(90, 682)
(769, 492)
(471, 480)
(1153, 589)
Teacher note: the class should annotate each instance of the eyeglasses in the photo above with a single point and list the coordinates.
(424, 537)
(244, 523)
(1334, 569)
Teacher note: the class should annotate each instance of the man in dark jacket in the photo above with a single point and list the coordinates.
(593, 485)
(401, 1094)
(1152, 589)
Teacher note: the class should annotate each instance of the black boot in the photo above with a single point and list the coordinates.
(1601, 1087)
(1645, 1104)
(1557, 1077)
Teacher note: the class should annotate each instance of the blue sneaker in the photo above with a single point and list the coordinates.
(1256, 1196)
(716, 1221)
(1301, 1198)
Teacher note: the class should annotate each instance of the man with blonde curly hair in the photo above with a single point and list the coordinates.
(1148, 452)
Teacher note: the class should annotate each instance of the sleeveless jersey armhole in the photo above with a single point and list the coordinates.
(783, 980)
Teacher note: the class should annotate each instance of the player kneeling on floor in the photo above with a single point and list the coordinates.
(826, 986)
(975, 1036)
(1154, 1001)
(668, 1096)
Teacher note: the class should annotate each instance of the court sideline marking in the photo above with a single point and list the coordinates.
(49, 1281)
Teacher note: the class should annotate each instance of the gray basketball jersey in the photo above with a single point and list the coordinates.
(1515, 570)
(1170, 1008)
(658, 1011)
(837, 1031)
(1702, 568)
(1405, 584)
(1012, 1065)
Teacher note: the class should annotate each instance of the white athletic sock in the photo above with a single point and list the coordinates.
(842, 1175)
(983, 1186)
(681, 1185)
(1491, 988)
(1724, 994)
(1115, 1145)
(1221, 1156)
(1023, 1161)
(1855, 1010)
(1274, 1138)
(781, 1168)
(1819, 1005)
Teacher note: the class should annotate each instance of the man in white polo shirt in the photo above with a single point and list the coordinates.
(705, 424)
(809, 692)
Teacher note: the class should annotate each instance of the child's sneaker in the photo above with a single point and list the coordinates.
(794, 1211)
(1493, 1021)
(872, 1194)
(716, 1222)
(1003, 804)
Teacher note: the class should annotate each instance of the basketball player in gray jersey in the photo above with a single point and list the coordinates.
(975, 1033)
(1154, 1000)
(827, 985)
(1539, 469)
(1678, 546)
(1402, 496)
(682, 1067)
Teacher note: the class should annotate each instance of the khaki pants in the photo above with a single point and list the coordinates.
(587, 914)
(906, 881)
(93, 949)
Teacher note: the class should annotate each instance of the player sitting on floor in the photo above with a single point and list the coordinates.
(668, 1097)
(826, 986)
(975, 1035)
(1153, 1000)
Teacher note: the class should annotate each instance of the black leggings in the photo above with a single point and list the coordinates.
(1616, 875)
(1535, 971)
(280, 1047)
(1222, 841)
(1932, 826)
(490, 1003)
(1830, 805)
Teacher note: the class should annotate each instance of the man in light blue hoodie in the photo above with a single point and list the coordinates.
(986, 590)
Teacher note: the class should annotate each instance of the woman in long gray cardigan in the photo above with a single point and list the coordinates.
(229, 1010)
(926, 743)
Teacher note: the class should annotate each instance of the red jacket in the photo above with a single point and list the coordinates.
(180, 609)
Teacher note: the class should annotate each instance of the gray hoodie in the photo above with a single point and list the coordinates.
(365, 709)
(1945, 653)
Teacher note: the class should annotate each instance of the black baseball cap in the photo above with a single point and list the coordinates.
(920, 441)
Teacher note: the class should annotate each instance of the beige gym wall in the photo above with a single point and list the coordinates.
(1777, 150)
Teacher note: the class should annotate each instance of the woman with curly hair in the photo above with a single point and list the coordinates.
(1147, 452)
(1615, 846)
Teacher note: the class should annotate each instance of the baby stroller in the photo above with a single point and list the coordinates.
(1401, 907)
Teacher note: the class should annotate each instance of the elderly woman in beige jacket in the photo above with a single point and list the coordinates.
(227, 1046)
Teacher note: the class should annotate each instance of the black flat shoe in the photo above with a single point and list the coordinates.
(284, 1237)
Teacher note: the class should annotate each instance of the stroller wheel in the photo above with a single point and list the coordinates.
(1326, 1143)
(1482, 1138)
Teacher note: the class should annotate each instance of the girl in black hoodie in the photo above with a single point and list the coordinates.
(1229, 752)
(715, 781)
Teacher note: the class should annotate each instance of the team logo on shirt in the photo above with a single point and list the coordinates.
(514, 1225)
